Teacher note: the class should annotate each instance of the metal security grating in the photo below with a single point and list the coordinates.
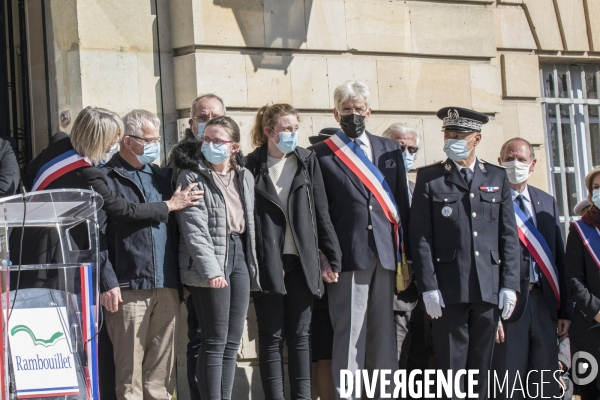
(571, 106)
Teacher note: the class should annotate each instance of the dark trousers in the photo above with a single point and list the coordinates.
(193, 348)
(463, 338)
(531, 344)
(285, 317)
(413, 335)
(222, 313)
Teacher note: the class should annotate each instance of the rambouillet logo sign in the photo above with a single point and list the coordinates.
(37, 342)
(42, 353)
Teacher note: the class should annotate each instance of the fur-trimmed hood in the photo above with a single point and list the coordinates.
(186, 155)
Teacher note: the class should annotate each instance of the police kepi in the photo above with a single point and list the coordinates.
(464, 244)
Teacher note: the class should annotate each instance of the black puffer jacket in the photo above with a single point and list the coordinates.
(308, 214)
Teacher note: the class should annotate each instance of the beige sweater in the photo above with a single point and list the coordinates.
(281, 172)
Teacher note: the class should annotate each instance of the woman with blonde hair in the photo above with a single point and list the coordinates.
(582, 270)
(70, 163)
(295, 239)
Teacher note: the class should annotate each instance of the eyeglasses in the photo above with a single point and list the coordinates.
(146, 141)
(217, 142)
(203, 118)
(411, 149)
(347, 111)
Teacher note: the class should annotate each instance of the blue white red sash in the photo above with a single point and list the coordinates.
(533, 241)
(57, 167)
(355, 159)
(590, 236)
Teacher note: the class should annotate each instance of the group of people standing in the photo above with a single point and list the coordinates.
(345, 258)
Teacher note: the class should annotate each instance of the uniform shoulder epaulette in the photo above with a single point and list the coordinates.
(431, 165)
(491, 164)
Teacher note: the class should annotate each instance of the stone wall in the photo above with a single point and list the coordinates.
(416, 56)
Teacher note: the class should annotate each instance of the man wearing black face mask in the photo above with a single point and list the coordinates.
(367, 191)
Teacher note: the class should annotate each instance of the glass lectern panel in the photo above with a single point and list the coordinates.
(49, 286)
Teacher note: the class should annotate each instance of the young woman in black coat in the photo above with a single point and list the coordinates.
(292, 228)
(583, 280)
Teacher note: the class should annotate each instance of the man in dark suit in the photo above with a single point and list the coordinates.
(527, 341)
(413, 327)
(464, 246)
(360, 301)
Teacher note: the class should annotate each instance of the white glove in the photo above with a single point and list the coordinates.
(506, 302)
(433, 303)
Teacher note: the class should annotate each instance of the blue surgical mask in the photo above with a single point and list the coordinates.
(287, 142)
(150, 153)
(456, 149)
(409, 160)
(200, 126)
(108, 155)
(596, 197)
(215, 154)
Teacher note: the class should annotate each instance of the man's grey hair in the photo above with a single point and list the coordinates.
(207, 96)
(515, 139)
(135, 120)
(351, 90)
(402, 128)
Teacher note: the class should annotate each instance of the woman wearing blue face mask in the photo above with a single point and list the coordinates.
(217, 252)
(582, 270)
(294, 233)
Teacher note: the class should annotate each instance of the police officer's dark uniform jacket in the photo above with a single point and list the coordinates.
(454, 228)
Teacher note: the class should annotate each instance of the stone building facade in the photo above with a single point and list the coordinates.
(522, 62)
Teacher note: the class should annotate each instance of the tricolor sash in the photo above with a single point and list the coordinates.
(57, 167)
(533, 241)
(590, 236)
(355, 159)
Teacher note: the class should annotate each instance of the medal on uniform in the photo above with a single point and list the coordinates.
(447, 211)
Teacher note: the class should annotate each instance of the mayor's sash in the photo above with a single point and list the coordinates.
(590, 236)
(355, 159)
(535, 243)
(57, 167)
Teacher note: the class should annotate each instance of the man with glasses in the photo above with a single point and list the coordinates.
(465, 249)
(413, 327)
(365, 217)
(140, 280)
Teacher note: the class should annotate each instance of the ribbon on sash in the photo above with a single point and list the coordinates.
(355, 159)
(533, 241)
(57, 167)
(590, 236)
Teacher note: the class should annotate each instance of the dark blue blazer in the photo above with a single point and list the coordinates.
(548, 224)
(361, 226)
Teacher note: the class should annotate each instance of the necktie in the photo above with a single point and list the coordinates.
(467, 175)
(520, 201)
(360, 143)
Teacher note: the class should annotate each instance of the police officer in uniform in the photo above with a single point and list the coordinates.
(464, 244)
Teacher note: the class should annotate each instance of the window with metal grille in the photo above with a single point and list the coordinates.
(571, 106)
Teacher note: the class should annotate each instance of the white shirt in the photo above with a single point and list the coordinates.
(472, 166)
(366, 145)
(533, 275)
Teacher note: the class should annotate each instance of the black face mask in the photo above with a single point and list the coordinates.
(353, 125)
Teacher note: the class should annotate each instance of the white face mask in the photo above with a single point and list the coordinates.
(517, 171)
(596, 197)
